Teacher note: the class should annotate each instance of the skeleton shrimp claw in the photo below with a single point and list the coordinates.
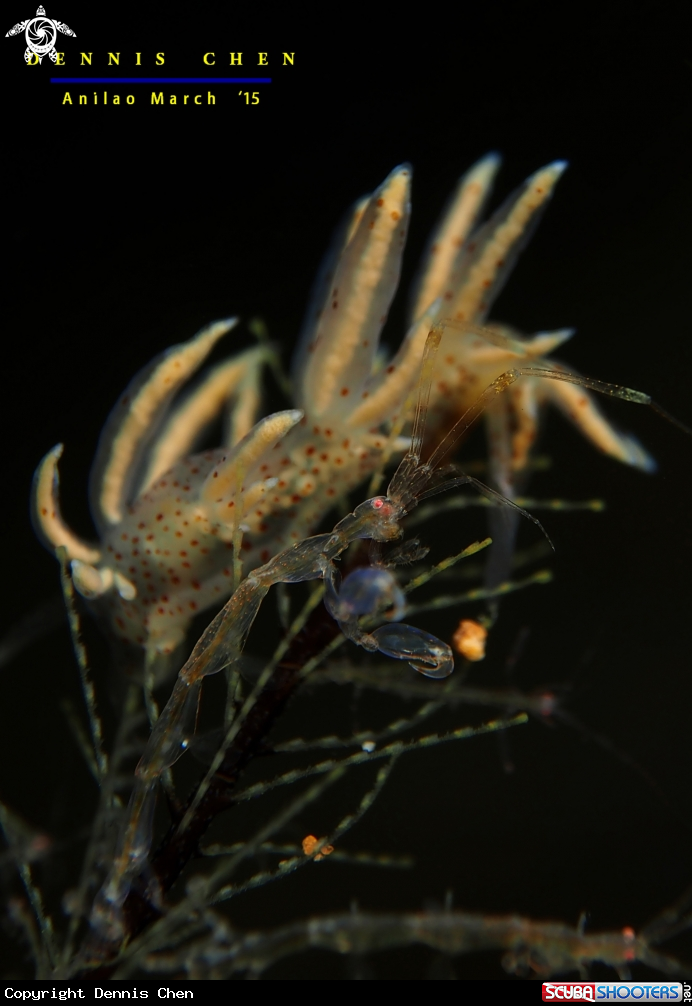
(367, 591)
(424, 652)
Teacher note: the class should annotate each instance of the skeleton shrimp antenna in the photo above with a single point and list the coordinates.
(432, 344)
(408, 485)
(614, 390)
(401, 479)
(403, 484)
(671, 419)
(502, 382)
(469, 417)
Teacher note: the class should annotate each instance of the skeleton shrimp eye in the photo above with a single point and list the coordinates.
(381, 517)
(382, 505)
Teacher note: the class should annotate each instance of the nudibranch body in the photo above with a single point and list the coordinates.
(176, 527)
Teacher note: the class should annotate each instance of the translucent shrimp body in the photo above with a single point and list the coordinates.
(222, 643)
(220, 646)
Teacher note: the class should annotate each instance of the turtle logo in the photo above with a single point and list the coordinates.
(41, 33)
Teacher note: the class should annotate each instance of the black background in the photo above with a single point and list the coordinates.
(128, 228)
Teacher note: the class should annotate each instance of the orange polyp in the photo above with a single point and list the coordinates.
(469, 639)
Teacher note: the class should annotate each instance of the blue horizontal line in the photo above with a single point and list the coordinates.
(160, 80)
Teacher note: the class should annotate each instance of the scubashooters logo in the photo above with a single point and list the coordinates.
(41, 33)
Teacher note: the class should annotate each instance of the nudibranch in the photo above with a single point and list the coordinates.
(176, 528)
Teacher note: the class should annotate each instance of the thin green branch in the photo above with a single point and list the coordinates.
(82, 663)
(462, 502)
(391, 750)
(45, 924)
(480, 593)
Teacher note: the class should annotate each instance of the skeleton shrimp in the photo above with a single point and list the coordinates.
(364, 592)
